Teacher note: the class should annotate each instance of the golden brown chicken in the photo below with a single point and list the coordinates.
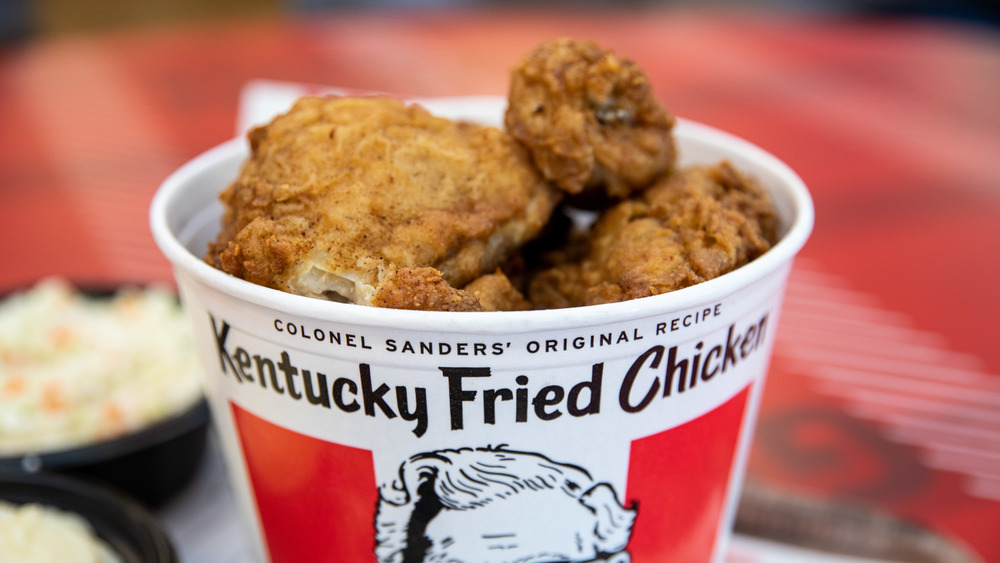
(371, 201)
(692, 226)
(589, 119)
(374, 202)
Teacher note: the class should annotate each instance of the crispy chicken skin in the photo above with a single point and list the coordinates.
(375, 202)
(496, 293)
(371, 201)
(423, 289)
(692, 226)
(589, 119)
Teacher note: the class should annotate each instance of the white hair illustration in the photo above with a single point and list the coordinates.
(517, 507)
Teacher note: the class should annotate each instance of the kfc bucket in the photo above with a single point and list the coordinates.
(615, 432)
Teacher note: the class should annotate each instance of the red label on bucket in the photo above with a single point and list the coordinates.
(319, 501)
(679, 479)
(315, 499)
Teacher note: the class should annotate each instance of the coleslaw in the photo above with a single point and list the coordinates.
(77, 369)
(36, 533)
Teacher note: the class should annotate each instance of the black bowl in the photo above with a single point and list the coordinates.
(152, 464)
(128, 528)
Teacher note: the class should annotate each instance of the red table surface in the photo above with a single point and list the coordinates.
(884, 388)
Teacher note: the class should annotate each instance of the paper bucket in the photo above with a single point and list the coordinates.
(616, 432)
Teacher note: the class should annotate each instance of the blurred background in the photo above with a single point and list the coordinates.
(21, 19)
(884, 391)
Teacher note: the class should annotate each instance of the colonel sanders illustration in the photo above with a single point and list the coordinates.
(494, 505)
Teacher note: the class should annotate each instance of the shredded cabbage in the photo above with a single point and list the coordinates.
(76, 369)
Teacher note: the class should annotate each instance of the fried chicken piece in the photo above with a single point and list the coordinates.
(589, 119)
(496, 293)
(341, 196)
(692, 226)
(424, 289)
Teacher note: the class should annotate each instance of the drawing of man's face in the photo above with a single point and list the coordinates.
(499, 506)
(536, 527)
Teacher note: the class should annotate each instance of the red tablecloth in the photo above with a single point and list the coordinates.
(886, 381)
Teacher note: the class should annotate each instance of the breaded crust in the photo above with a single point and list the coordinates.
(692, 226)
(589, 118)
(340, 193)
(496, 293)
(422, 289)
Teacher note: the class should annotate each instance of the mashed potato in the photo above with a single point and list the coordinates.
(76, 369)
(33, 533)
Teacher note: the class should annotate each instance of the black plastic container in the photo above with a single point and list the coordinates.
(151, 464)
(122, 523)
